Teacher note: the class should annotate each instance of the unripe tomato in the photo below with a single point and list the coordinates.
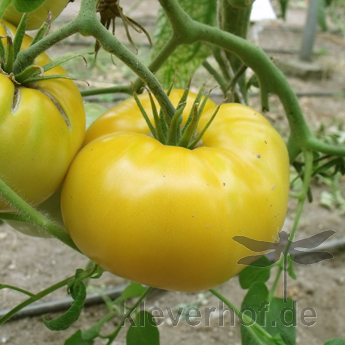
(41, 129)
(166, 216)
(37, 17)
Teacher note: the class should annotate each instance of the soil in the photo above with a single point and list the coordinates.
(34, 264)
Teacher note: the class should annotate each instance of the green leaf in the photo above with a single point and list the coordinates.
(251, 275)
(278, 339)
(277, 317)
(65, 320)
(255, 301)
(281, 319)
(290, 268)
(92, 112)
(86, 337)
(25, 6)
(77, 339)
(335, 341)
(144, 331)
(321, 15)
(132, 290)
(186, 58)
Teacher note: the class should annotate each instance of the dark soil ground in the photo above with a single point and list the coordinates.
(34, 264)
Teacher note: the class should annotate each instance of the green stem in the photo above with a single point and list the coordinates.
(90, 26)
(113, 335)
(235, 20)
(270, 77)
(27, 56)
(4, 286)
(32, 216)
(308, 172)
(220, 80)
(254, 329)
(32, 299)
(159, 59)
(102, 91)
(236, 78)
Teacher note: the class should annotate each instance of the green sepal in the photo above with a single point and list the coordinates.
(143, 112)
(42, 31)
(174, 128)
(191, 146)
(190, 129)
(19, 36)
(59, 61)
(9, 52)
(49, 77)
(164, 118)
(161, 136)
(196, 101)
(2, 53)
(29, 72)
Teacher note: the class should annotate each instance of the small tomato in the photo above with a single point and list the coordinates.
(165, 216)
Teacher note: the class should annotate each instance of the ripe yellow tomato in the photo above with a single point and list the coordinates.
(166, 216)
(41, 129)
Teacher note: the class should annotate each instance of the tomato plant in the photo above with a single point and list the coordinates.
(153, 200)
(166, 180)
(42, 127)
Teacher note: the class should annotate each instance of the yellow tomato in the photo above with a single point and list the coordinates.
(41, 129)
(166, 216)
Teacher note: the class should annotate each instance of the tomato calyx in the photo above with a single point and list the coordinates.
(169, 130)
(8, 55)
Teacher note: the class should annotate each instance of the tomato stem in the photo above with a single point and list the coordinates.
(34, 298)
(34, 217)
(113, 335)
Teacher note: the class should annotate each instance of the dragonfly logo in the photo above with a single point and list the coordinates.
(295, 248)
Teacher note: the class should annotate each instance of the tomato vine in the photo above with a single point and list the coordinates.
(229, 37)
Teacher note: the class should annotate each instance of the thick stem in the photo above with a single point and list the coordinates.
(159, 59)
(255, 329)
(112, 336)
(32, 216)
(270, 77)
(235, 20)
(27, 57)
(32, 299)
